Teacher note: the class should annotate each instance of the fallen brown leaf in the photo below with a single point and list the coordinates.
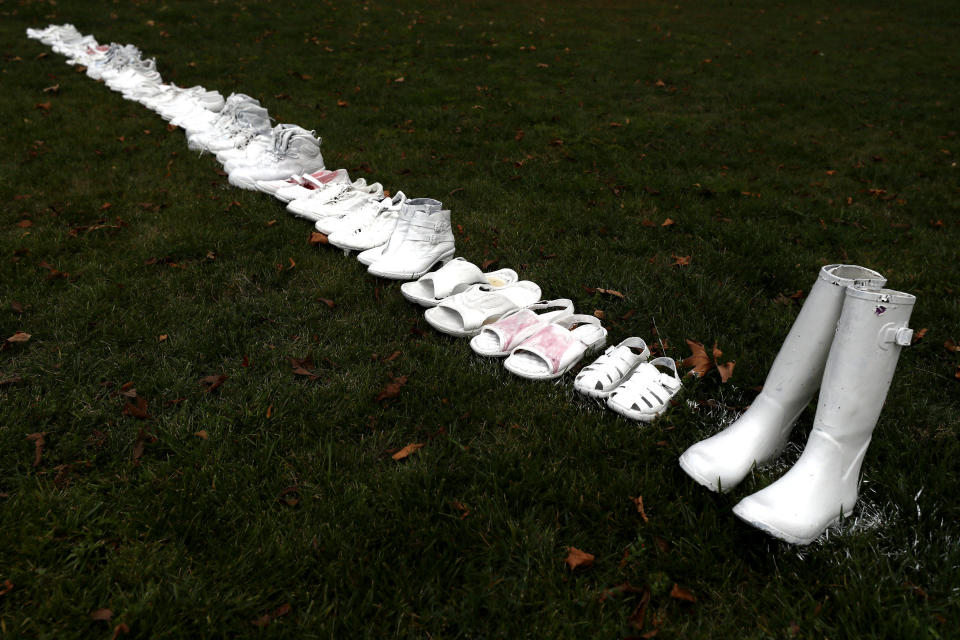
(19, 336)
(120, 628)
(101, 614)
(213, 382)
(25, 224)
(38, 444)
(638, 501)
(679, 593)
(726, 370)
(13, 380)
(698, 359)
(302, 367)
(462, 508)
(489, 262)
(681, 261)
(610, 292)
(16, 306)
(577, 558)
(267, 618)
(407, 450)
(599, 314)
(950, 345)
(318, 238)
(667, 223)
(43, 105)
(392, 390)
(327, 301)
(162, 337)
(636, 618)
(7, 588)
(202, 434)
(136, 407)
(144, 438)
(919, 335)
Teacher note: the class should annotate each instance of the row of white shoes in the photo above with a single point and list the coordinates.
(396, 237)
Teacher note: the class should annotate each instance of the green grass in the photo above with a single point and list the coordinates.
(760, 129)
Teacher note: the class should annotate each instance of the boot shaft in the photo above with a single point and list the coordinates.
(871, 332)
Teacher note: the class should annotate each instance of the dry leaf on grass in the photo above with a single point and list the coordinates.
(577, 558)
(638, 501)
(143, 439)
(327, 301)
(202, 434)
(610, 292)
(120, 628)
(698, 359)
(639, 614)
(392, 390)
(213, 382)
(19, 337)
(679, 593)
(407, 450)
(267, 618)
(101, 614)
(303, 367)
(7, 588)
(318, 238)
(950, 345)
(681, 261)
(136, 407)
(726, 370)
(38, 444)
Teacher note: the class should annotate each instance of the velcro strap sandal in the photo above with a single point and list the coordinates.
(500, 338)
(452, 278)
(608, 371)
(556, 348)
(647, 392)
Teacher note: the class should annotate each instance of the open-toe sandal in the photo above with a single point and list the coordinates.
(464, 314)
(452, 278)
(500, 338)
(647, 392)
(556, 348)
(608, 371)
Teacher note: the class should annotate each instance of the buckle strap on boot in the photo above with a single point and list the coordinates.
(892, 334)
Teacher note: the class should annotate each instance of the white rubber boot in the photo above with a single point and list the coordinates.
(823, 484)
(759, 435)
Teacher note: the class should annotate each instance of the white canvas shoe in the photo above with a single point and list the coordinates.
(324, 202)
(361, 216)
(311, 186)
(822, 486)
(296, 152)
(759, 435)
(272, 186)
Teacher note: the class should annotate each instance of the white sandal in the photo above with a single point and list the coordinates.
(464, 314)
(556, 347)
(609, 371)
(646, 394)
(501, 337)
(452, 278)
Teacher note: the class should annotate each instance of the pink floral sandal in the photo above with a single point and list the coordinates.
(556, 348)
(501, 337)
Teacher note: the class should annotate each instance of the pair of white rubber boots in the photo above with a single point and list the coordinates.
(846, 340)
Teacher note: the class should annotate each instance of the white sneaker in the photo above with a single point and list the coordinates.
(297, 151)
(376, 237)
(310, 186)
(323, 176)
(352, 202)
(361, 216)
(243, 120)
(324, 203)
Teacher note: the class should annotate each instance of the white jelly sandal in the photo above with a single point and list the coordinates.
(452, 278)
(556, 347)
(500, 338)
(608, 371)
(464, 314)
(646, 394)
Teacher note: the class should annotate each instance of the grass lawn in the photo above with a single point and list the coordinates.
(586, 145)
